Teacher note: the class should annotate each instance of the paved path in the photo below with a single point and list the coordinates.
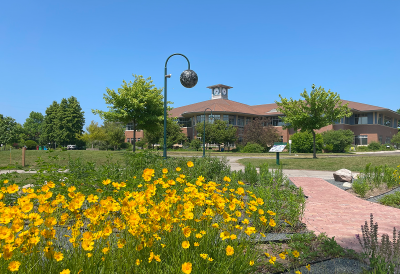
(341, 214)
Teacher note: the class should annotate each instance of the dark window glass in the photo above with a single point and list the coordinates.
(360, 119)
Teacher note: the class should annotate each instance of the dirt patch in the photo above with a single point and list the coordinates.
(372, 193)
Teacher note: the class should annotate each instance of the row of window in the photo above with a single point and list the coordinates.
(130, 140)
(231, 119)
(363, 140)
(362, 119)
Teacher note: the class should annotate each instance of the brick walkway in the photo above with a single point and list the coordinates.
(338, 213)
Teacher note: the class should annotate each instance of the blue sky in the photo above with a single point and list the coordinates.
(51, 50)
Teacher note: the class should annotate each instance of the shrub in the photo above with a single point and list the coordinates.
(195, 144)
(140, 143)
(125, 145)
(302, 142)
(374, 146)
(361, 187)
(31, 144)
(253, 148)
(339, 139)
(328, 148)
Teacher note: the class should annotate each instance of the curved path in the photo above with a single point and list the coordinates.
(334, 211)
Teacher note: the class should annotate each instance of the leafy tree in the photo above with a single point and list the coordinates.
(255, 132)
(115, 134)
(396, 140)
(30, 144)
(253, 148)
(319, 109)
(9, 130)
(94, 133)
(33, 126)
(138, 102)
(174, 134)
(209, 132)
(302, 142)
(195, 144)
(219, 132)
(50, 128)
(339, 139)
(141, 143)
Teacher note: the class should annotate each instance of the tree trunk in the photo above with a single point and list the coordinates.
(134, 136)
(314, 148)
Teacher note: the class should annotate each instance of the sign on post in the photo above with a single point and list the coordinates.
(278, 147)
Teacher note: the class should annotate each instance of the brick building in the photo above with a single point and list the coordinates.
(369, 123)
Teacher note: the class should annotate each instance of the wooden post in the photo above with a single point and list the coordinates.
(23, 156)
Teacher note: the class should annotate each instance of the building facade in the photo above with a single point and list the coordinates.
(369, 123)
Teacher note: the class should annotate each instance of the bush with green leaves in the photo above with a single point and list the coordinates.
(361, 187)
(195, 144)
(338, 139)
(30, 144)
(252, 148)
(374, 146)
(302, 142)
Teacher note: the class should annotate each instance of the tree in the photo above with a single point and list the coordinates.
(115, 134)
(50, 129)
(140, 103)
(256, 132)
(93, 133)
(195, 144)
(33, 126)
(396, 140)
(9, 130)
(319, 109)
(219, 132)
(174, 134)
(339, 139)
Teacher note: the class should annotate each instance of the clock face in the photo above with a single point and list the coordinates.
(216, 91)
(224, 91)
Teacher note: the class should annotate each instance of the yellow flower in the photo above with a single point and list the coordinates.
(251, 263)
(240, 183)
(105, 250)
(178, 169)
(190, 164)
(185, 244)
(164, 170)
(196, 244)
(296, 253)
(227, 179)
(204, 256)
(210, 259)
(229, 250)
(58, 256)
(282, 255)
(71, 189)
(5, 182)
(266, 254)
(106, 182)
(271, 213)
(65, 271)
(187, 268)
(14, 266)
(89, 255)
(137, 262)
(298, 272)
(12, 189)
(272, 223)
(186, 231)
(308, 267)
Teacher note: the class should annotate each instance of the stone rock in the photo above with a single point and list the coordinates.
(342, 175)
(347, 184)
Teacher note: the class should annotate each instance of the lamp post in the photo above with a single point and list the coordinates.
(188, 80)
(204, 132)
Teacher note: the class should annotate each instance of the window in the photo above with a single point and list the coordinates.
(129, 126)
(138, 139)
(226, 118)
(211, 119)
(276, 121)
(280, 138)
(387, 121)
(248, 120)
(380, 139)
(217, 117)
(388, 140)
(200, 119)
(240, 121)
(185, 122)
(380, 119)
(232, 120)
(128, 140)
(361, 119)
(361, 140)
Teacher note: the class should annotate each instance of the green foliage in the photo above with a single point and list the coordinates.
(253, 148)
(396, 140)
(339, 139)
(174, 134)
(317, 110)
(258, 133)
(219, 132)
(94, 134)
(360, 186)
(141, 143)
(374, 146)
(392, 200)
(195, 144)
(9, 130)
(302, 142)
(115, 134)
(33, 125)
(328, 147)
(30, 144)
(138, 102)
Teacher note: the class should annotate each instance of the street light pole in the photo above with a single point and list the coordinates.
(188, 80)
(204, 132)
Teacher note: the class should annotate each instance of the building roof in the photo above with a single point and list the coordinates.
(229, 106)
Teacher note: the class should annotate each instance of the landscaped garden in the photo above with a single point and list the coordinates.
(144, 214)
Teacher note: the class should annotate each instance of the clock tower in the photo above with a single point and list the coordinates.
(219, 91)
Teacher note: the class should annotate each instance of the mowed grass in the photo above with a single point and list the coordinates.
(31, 156)
(353, 163)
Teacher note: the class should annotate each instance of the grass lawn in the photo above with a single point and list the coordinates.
(100, 157)
(356, 163)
